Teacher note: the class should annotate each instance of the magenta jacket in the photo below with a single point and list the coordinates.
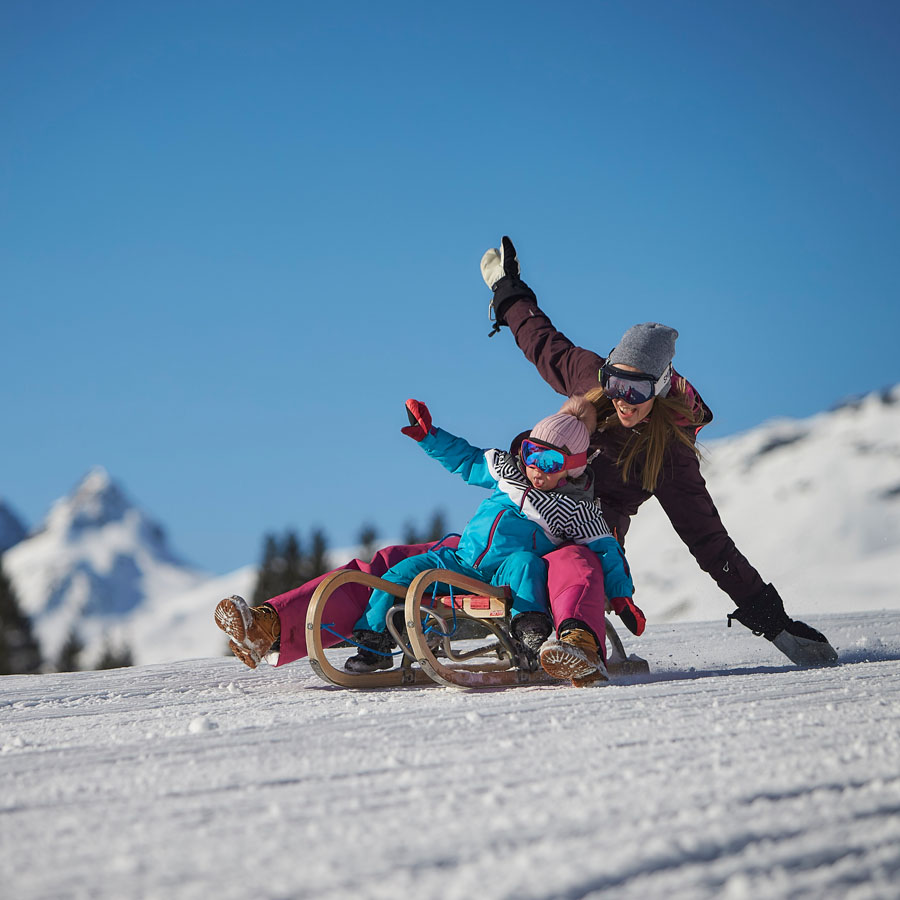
(681, 490)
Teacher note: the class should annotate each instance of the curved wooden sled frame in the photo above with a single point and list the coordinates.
(396, 677)
(467, 670)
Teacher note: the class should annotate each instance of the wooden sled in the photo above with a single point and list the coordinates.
(424, 628)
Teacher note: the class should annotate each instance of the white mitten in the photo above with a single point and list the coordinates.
(496, 264)
(500, 270)
(491, 267)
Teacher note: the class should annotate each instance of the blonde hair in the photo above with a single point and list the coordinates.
(671, 419)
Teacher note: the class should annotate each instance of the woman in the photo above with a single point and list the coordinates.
(644, 446)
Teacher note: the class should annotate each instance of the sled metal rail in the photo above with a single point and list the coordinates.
(428, 654)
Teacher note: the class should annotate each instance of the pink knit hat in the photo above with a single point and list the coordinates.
(570, 429)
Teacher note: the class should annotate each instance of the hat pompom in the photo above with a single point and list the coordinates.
(570, 428)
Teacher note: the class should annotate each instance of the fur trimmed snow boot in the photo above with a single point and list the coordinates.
(575, 655)
(253, 629)
(600, 678)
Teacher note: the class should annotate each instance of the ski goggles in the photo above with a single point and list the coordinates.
(633, 387)
(549, 459)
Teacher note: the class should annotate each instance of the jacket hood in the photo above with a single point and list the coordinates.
(681, 387)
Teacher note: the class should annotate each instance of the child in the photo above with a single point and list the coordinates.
(541, 497)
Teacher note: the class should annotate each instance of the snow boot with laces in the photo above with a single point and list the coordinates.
(575, 655)
(253, 630)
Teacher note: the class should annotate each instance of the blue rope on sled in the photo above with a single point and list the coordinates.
(343, 637)
(429, 630)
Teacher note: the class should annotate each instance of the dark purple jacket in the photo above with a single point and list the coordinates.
(681, 490)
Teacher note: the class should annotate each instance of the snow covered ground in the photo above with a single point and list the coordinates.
(722, 774)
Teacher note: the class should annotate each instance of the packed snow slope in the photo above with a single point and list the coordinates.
(724, 773)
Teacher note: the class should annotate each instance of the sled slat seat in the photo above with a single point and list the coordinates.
(477, 606)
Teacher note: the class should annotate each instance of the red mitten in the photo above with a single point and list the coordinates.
(419, 420)
(624, 607)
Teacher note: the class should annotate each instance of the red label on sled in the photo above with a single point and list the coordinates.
(488, 607)
(471, 602)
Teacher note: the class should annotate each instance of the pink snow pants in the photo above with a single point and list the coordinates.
(574, 582)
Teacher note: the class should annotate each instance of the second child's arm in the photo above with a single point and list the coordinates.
(454, 453)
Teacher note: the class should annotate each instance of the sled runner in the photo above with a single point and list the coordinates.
(425, 626)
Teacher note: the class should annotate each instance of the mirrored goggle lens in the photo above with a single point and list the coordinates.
(544, 458)
(628, 389)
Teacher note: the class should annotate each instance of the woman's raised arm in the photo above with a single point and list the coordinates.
(568, 369)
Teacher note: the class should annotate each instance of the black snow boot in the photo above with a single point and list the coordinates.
(530, 630)
(373, 654)
(764, 615)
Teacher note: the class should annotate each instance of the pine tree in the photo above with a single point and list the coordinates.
(285, 566)
(265, 581)
(115, 657)
(290, 562)
(410, 535)
(20, 652)
(316, 563)
(69, 659)
(437, 528)
(367, 537)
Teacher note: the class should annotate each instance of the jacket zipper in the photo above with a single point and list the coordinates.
(490, 539)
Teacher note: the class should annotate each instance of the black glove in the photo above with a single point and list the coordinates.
(763, 614)
(500, 270)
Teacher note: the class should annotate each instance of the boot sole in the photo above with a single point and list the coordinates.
(600, 678)
(564, 661)
(233, 616)
(243, 654)
(368, 669)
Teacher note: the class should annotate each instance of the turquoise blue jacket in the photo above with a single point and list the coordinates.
(517, 516)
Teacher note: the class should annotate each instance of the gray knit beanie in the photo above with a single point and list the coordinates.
(648, 347)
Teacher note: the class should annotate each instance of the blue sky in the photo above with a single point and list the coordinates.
(236, 236)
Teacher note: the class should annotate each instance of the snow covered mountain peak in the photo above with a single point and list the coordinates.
(96, 501)
(98, 505)
(97, 565)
